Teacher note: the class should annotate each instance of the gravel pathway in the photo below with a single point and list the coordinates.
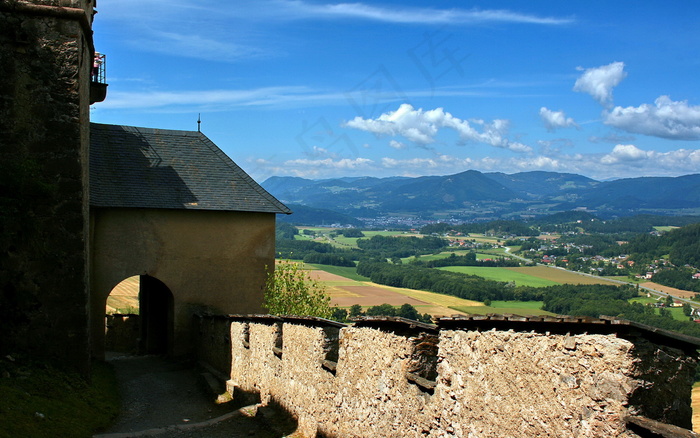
(162, 398)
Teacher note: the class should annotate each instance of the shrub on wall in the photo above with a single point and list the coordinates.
(290, 290)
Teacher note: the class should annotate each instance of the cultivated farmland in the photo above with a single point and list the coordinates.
(345, 292)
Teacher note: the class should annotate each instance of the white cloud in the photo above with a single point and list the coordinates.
(203, 29)
(624, 157)
(600, 81)
(329, 163)
(221, 99)
(555, 119)
(623, 161)
(422, 127)
(624, 153)
(200, 47)
(417, 15)
(665, 118)
(397, 144)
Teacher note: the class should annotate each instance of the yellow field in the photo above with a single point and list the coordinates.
(124, 295)
(345, 292)
(695, 405)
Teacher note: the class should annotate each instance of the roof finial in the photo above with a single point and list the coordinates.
(199, 122)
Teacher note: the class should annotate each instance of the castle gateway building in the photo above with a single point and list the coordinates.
(172, 208)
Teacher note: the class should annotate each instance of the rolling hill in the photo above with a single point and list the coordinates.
(473, 195)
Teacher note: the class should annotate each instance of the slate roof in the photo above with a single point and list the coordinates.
(157, 168)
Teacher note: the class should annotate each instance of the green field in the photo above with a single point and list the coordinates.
(676, 312)
(458, 253)
(323, 235)
(343, 271)
(501, 307)
(664, 228)
(501, 274)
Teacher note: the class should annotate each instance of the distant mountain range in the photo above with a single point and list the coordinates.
(473, 195)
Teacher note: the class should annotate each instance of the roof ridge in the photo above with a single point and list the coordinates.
(243, 174)
(137, 167)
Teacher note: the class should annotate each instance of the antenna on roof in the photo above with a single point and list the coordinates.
(199, 122)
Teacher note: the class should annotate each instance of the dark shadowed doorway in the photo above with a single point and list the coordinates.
(139, 317)
(156, 309)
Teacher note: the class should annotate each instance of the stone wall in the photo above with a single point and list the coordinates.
(489, 382)
(45, 56)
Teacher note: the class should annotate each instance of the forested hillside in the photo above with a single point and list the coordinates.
(472, 196)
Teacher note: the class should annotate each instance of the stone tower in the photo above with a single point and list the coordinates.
(46, 57)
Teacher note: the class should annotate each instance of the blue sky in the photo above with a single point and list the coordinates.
(321, 89)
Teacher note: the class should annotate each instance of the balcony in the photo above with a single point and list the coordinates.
(98, 78)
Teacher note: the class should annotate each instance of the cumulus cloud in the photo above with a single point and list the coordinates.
(665, 119)
(555, 119)
(600, 81)
(624, 160)
(329, 163)
(624, 153)
(670, 162)
(397, 144)
(421, 127)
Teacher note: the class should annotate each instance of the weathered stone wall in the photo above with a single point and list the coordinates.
(490, 383)
(45, 57)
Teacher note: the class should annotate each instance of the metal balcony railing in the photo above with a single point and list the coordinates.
(99, 68)
(98, 78)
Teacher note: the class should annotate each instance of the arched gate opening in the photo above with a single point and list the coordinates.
(139, 317)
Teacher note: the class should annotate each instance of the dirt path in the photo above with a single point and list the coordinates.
(163, 398)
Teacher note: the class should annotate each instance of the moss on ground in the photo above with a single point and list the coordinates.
(41, 401)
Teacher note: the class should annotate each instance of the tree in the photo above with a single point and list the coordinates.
(290, 290)
(409, 312)
(382, 310)
(687, 310)
(340, 315)
(355, 310)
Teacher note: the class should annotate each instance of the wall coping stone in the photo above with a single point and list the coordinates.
(570, 324)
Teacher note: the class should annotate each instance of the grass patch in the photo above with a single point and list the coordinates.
(343, 271)
(500, 307)
(431, 257)
(38, 400)
(530, 305)
(347, 242)
(677, 313)
(501, 274)
(664, 228)
(644, 300)
(559, 275)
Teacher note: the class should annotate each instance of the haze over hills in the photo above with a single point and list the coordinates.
(473, 195)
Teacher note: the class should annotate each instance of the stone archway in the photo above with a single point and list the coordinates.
(139, 317)
(122, 317)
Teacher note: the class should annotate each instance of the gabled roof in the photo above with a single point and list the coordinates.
(156, 168)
